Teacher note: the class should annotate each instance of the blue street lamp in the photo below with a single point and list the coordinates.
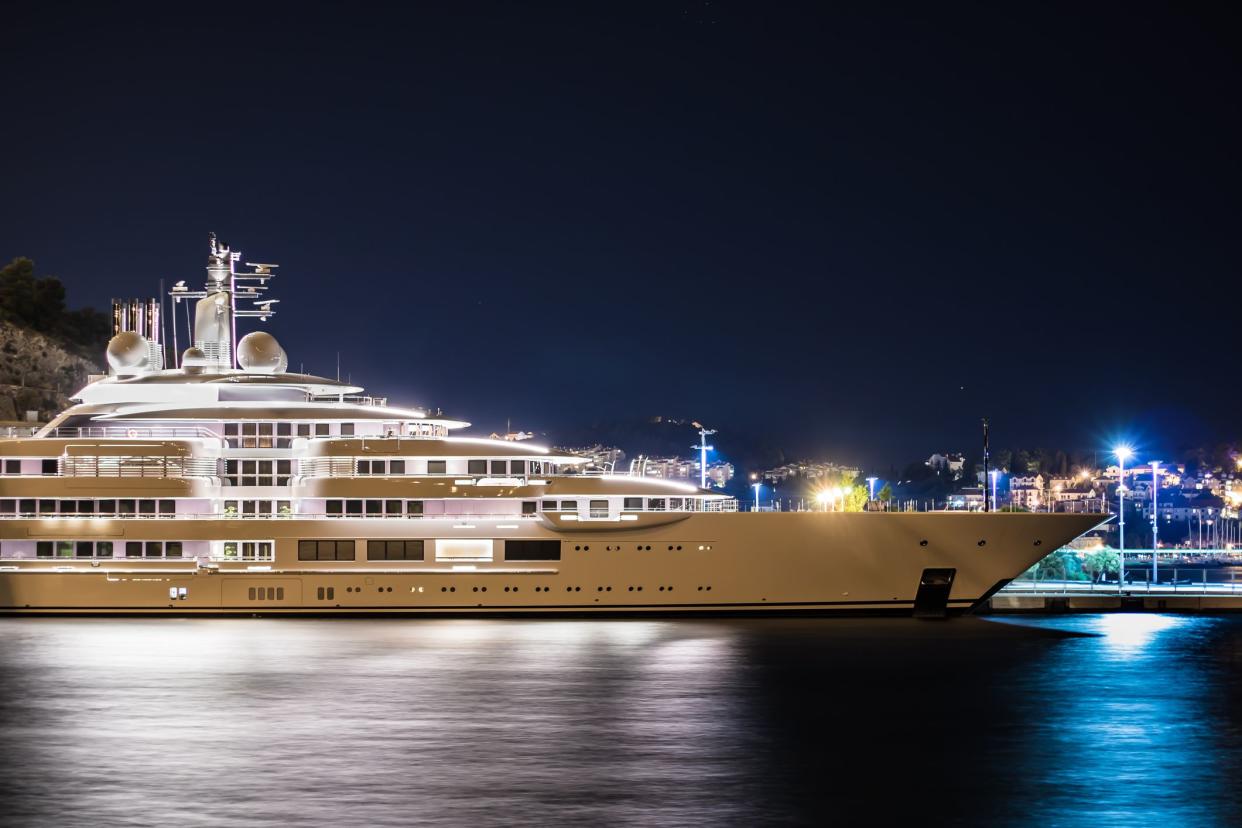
(1155, 518)
(1123, 453)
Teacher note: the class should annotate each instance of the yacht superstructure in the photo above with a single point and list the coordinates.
(222, 483)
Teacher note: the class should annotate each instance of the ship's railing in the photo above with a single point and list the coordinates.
(19, 431)
(264, 516)
(137, 466)
(359, 399)
(136, 432)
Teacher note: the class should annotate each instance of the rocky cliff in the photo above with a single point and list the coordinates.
(37, 373)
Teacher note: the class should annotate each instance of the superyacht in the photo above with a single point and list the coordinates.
(218, 482)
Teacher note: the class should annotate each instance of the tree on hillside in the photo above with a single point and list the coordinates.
(38, 304)
(886, 493)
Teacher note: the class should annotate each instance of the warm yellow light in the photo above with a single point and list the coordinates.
(823, 497)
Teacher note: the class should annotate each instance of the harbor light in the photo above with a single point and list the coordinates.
(823, 498)
(1123, 453)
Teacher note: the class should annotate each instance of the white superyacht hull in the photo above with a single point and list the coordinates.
(928, 563)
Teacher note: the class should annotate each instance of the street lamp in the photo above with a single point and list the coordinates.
(1155, 518)
(993, 473)
(871, 487)
(823, 497)
(1123, 453)
(756, 485)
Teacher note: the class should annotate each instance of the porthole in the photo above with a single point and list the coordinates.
(586, 549)
(452, 589)
(577, 548)
(661, 589)
(569, 589)
(577, 589)
(484, 589)
(700, 589)
(631, 589)
(640, 589)
(678, 548)
(670, 548)
(608, 589)
(599, 589)
(700, 547)
(923, 542)
(476, 589)
(983, 543)
(1039, 543)
(709, 589)
(515, 589)
(506, 589)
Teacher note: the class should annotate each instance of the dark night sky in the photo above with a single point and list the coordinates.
(847, 230)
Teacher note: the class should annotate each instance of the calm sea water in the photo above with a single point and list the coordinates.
(1084, 720)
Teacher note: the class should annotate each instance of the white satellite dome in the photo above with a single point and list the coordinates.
(128, 352)
(260, 353)
(193, 360)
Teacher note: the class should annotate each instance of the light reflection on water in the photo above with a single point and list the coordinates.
(1073, 720)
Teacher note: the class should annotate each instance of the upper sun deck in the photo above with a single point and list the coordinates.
(179, 387)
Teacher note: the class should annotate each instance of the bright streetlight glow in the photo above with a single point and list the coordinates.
(1123, 453)
(823, 498)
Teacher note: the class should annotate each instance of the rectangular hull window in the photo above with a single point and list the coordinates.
(394, 550)
(532, 550)
(463, 549)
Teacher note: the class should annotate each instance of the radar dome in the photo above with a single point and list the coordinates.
(260, 353)
(128, 352)
(193, 360)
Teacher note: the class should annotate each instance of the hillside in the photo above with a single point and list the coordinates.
(37, 373)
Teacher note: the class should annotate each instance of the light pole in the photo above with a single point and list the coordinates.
(993, 474)
(703, 448)
(756, 485)
(1123, 453)
(871, 487)
(823, 497)
(1155, 518)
